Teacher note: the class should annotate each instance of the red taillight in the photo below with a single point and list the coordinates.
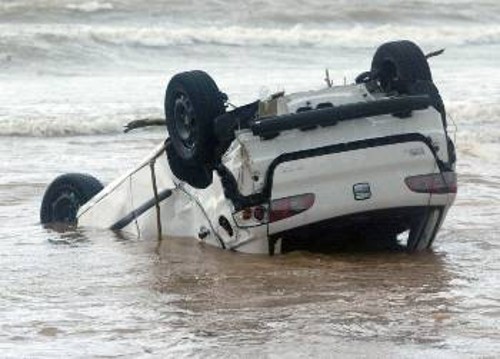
(259, 213)
(439, 183)
(279, 209)
(246, 214)
(290, 206)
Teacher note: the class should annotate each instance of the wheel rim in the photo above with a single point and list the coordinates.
(185, 121)
(65, 207)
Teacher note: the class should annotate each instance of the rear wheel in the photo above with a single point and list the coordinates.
(397, 65)
(65, 195)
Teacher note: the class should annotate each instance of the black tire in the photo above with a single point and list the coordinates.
(192, 102)
(65, 195)
(196, 175)
(398, 64)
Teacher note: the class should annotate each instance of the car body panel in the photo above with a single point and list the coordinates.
(382, 168)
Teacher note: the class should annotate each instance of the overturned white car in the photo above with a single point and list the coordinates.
(372, 159)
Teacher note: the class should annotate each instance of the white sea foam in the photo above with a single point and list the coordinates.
(301, 36)
(295, 36)
(474, 123)
(474, 113)
(298, 36)
(475, 128)
(91, 6)
(255, 12)
(58, 126)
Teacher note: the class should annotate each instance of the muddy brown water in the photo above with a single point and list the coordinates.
(72, 73)
(92, 293)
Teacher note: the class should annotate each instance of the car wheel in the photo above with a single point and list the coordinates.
(192, 102)
(65, 195)
(195, 174)
(398, 64)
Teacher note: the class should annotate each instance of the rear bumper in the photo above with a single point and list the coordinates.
(330, 116)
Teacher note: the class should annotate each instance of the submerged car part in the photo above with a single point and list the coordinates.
(65, 195)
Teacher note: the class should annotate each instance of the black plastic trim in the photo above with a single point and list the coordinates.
(330, 116)
(120, 224)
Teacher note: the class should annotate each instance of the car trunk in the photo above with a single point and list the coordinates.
(349, 166)
(353, 181)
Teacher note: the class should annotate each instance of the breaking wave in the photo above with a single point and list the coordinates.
(299, 36)
(91, 6)
(474, 113)
(256, 12)
(64, 126)
(475, 126)
(60, 47)
(473, 122)
(44, 36)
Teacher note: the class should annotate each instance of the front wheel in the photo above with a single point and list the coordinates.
(192, 102)
(65, 195)
(195, 174)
